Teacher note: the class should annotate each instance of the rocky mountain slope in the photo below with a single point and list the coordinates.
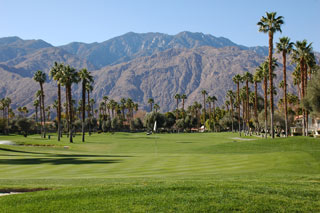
(139, 66)
(132, 45)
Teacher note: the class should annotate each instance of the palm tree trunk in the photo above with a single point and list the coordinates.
(89, 114)
(305, 90)
(37, 118)
(67, 111)
(284, 57)
(271, 82)
(243, 116)
(238, 97)
(204, 107)
(302, 96)
(59, 111)
(265, 106)
(256, 104)
(214, 115)
(247, 105)
(43, 112)
(70, 114)
(41, 120)
(83, 109)
(231, 114)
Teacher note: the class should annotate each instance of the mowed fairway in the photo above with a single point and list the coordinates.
(133, 172)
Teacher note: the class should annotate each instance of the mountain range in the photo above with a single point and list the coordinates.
(139, 66)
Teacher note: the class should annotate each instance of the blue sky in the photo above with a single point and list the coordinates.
(63, 21)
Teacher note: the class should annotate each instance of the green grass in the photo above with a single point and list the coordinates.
(125, 172)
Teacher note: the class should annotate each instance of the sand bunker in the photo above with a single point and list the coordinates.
(10, 193)
(243, 139)
(7, 143)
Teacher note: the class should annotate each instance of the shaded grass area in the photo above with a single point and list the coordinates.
(126, 172)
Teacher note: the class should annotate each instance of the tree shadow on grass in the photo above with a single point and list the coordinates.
(61, 155)
(56, 161)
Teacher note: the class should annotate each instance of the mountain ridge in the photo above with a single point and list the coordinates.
(139, 66)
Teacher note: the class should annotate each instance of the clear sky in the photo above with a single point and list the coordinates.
(63, 21)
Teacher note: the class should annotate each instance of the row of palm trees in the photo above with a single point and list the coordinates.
(302, 56)
(109, 108)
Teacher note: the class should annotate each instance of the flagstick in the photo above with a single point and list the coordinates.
(155, 138)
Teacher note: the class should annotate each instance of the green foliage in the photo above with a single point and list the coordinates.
(150, 119)
(3, 124)
(136, 124)
(25, 125)
(312, 101)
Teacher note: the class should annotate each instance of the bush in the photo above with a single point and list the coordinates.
(25, 125)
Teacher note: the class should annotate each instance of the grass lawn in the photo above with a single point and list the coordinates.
(199, 172)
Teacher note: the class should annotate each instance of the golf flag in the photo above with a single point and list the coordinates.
(155, 126)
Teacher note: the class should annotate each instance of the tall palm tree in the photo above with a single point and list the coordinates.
(237, 79)
(204, 93)
(243, 97)
(89, 89)
(105, 99)
(41, 77)
(300, 55)
(256, 79)
(36, 105)
(86, 78)
(69, 77)
(270, 24)
(209, 100)
(248, 78)
(150, 101)
(213, 100)
(56, 74)
(7, 102)
(285, 47)
(183, 97)
(263, 70)
(177, 97)
(231, 96)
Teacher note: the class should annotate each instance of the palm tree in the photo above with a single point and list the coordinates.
(56, 73)
(300, 55)
(36, 105)
(105, 99)
(285, 47)
(183, 97)
(156, 107)
(263, 70)
(237, 79)
(86, 78)
(7, 102)
(69, 77)
(209, 100)
(89, 89)
(150, 101)
(204, 93)
(256, 79)
(243, 97)
(231, 96)
(248, 78)
(177, 97)
(41, 77)
(213, 100)
(270, 24)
